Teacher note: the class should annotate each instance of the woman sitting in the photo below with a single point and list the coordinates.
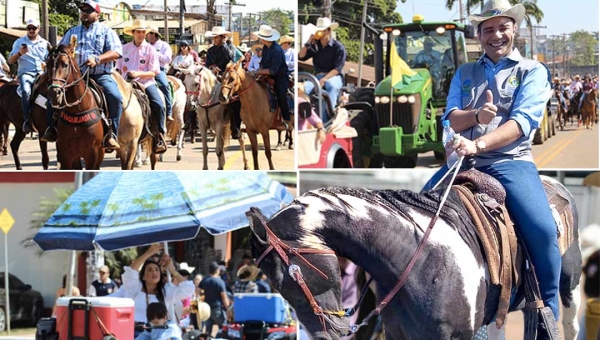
(183, 59)
(62, 291)
(145, 285)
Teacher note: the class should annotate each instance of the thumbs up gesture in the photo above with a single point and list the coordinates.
(488, 111)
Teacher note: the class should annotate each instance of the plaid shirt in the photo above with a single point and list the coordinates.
(95, 40)
(245, 287)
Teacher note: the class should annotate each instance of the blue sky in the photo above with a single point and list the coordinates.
(252, 6)
(559, 16)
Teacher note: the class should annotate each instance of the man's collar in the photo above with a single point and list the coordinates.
(515, 55)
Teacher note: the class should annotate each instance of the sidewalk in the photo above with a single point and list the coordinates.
(16, 337)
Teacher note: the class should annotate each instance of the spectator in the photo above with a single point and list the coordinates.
(104, 285)
(290, 55)
(349, 289)
(62, 291)
(255, 60)
(215, 294)
(263, 285)
(157, 316)
(183, 59)
(591, 272)
(245, 284)
(307, 115)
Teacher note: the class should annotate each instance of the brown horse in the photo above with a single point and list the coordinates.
(79, 127)
(200, 83)
(588, 109)
(11, 112)
(256, 113)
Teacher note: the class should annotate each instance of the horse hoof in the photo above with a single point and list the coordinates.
(193, 141)
(291, 147)
(137, 164)
(278, 148)
(160, 158)
(173, 142)
(4, 153)
(145, 162)
(246, 168)
(178, 158)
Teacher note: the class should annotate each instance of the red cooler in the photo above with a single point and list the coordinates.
(91, 318)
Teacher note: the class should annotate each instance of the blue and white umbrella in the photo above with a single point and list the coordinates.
(117, 210)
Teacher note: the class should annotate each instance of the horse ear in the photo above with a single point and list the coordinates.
(255, 221)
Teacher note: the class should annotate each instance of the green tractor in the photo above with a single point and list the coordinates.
(405, 118)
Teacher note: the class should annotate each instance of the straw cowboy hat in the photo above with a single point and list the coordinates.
(154, 29)
(267, 33)
(247, 273)
(203, 313)
(216, 31)
(325, 23)
(137, 25)
(185, 266)
(257, 47)
(499, 8)
(244, 47)
(285, 38)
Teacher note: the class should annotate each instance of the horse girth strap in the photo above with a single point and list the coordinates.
(497, 236)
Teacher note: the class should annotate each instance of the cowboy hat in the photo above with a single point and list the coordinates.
(285, 38)
(325, 23)
(184, 266)
(244, 47)
(154, 29)
(499, 8)
(267, 33)
(247, 272)
(216, 31)
(203, 313)
(137, 25)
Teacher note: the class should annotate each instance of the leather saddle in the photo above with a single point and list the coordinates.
(484, 198)
(269, 84)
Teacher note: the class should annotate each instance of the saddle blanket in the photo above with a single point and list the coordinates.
(273, 102)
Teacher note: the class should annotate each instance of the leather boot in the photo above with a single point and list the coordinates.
(50, 133)
(110, 142)
(27, 128)
(161, 145)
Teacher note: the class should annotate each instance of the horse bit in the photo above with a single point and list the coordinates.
(62, 89)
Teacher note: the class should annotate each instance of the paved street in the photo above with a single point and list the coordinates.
(191, 157)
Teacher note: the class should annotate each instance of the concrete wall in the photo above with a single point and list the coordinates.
(44, 273)
(18, 12)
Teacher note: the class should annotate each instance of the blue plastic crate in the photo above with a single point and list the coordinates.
(270, 308)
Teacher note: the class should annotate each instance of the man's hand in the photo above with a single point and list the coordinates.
(23, 50)
(488, 111)
(321, 135)
(322, 82)
(91, 61)
(465, 147)
(132, 74)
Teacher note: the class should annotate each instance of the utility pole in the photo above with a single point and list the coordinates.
(326, 9)
(460, 12)
(166, 23)
(181, 18)
(230, 4)
(564, 57)
(45, 21)
(362, 44)
(533, 36)
(553, 54)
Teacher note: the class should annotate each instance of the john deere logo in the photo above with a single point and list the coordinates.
(512, 81)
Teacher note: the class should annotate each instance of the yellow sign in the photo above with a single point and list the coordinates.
(6, 221)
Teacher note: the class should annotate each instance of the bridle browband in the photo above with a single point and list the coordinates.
(66, 85)
(294, 270)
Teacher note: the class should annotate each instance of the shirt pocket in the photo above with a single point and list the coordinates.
(99, 43)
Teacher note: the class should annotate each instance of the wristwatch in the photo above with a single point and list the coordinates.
(97, 60)
(480, 145)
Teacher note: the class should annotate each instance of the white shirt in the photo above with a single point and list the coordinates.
(254, 63)
(165, 54)
(2, 62)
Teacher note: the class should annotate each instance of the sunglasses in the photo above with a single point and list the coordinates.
(32, 28)
(87, 10)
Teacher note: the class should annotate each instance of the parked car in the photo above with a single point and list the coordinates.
(26, 304)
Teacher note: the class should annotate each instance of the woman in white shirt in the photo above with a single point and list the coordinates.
(146, 285)
(183, 59)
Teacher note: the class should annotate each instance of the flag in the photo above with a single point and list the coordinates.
(399, 67)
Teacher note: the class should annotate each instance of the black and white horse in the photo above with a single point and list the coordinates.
(448, 294)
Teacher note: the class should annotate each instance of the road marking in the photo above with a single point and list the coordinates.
(550, 154)
(238, 154)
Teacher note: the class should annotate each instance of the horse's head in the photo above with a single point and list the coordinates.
(193, 86)
(232, 81)
(62, 72)
(274, 246)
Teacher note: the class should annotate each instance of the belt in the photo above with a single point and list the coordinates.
(163, 68)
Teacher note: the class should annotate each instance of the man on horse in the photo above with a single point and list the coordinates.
(586, 88)
(97, 49)
(217, 57)
(329, 58)
(30, 52)
(497, 123)
(4, 69)
(575, 86)
(273, 64)
(140, 62)
(164, 52)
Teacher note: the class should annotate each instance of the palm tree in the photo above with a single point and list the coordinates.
(532, 10)
(470, 4)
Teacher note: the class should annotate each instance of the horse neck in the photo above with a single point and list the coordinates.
(246, 85)
(76, 92)
(207, 77)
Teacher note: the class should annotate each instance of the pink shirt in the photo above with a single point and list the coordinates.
(313, 119)
(141, 58)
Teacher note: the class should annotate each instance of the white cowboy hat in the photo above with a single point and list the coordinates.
(184, 266)
(325, 23)
(247, 272)
(203, 313)
(154, 29)
(267, 33)
(244, 47)
(499, 8)
(137, 25)
(216, 31)
(285, 38)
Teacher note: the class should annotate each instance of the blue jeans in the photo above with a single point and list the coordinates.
(332, 86)
(583, 95)
(529, 209)
(114, 98)
(157, 107)
(26, 81)
(163, 85)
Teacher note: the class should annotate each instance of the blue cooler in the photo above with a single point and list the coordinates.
(267, 307)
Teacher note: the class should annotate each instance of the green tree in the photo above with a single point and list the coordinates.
(583, 43)
(278, 19)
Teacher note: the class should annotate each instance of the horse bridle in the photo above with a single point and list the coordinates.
(237, 80)
(67, 85)
(285, 252)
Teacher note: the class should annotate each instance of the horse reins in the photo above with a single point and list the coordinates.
(294, 270)
(282, 249)
(242, 91)
(66, 85)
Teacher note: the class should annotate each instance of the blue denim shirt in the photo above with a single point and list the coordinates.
(171, 333)
(95, 40)
(31, 62)
(327, 58)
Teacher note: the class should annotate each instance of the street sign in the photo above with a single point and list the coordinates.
(6, 221)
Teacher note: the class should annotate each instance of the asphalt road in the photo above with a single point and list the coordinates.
(192, 158)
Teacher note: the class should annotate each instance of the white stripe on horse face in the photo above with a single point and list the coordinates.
(472, 274)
